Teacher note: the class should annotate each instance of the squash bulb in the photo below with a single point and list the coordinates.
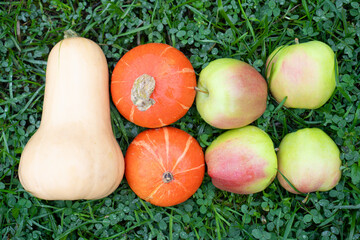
(74, 154)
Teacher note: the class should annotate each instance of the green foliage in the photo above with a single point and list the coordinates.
(204, 30)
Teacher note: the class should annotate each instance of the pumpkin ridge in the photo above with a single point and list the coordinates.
(187, 146)
(161, 122)
(128, 65)
(147, 147)
(189, 170)
(165, 50)
(154, 192)
(184, 70)
(118, 101)
(167, 145)
(182, 105)
(181, 185)
(132, 111)
(155, 147)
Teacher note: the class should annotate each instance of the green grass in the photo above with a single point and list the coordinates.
(248, 30)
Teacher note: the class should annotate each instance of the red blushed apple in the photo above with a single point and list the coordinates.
(231, 94)
(242, 160)
(310, 161)
(304, 73)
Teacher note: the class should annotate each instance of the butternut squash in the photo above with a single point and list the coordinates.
(74, 154)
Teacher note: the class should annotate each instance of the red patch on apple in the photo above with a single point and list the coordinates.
(235, 168)
(244, 81)
(298, 68)
(246, 93)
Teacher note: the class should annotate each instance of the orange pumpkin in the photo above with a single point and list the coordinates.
(164, 166)
(153, 85)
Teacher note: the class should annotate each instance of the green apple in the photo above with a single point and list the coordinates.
(310, 160)
(303, 72)
(231, 94)
(242, 160)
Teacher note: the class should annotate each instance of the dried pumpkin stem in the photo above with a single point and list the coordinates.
(141, 91)
(296, 41)
(167, 177)
(70, 33)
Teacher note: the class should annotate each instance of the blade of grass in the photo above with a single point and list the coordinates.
(118, 122)
(287, 180)
(328, 220)
(136, 30)
(31, 221)
(219, 222)
(226, 17)
(352, 225)
(289, 225)
(278, 223)
(171, 225)
(20, 226)
(218, 229)
(197, 12)
(247, 21)
(70, 230)
(356, 117)
(147, 209)
(281, 104)
(304, 4)
(28, 103)
(338, 85)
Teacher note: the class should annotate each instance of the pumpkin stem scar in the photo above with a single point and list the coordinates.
(141, 91)
(200, 90)
(167, 177)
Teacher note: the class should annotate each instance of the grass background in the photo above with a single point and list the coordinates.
(247, 30)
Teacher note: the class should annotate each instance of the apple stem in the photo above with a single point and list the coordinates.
(305, 199)
(296, 41)
(200, 90)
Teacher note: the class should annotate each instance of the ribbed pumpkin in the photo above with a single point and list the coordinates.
(164, 166)
(153, 85)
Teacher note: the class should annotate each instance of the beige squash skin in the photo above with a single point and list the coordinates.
(74, 154)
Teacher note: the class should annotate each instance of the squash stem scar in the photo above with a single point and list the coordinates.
(141, 91)
(167, 177)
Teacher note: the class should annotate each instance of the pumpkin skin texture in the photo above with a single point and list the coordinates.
(164, 166)
(74, 154)
(168, 77)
